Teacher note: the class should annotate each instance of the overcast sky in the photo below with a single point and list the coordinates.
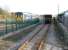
(35, 6)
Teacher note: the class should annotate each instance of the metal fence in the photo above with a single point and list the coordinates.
(7, 26)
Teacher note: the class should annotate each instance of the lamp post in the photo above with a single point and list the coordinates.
(58, 8)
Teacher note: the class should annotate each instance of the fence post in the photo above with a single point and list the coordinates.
(6, 25)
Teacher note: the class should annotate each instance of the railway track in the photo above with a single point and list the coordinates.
(40, 42)
(27, 38)
(37, 41)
